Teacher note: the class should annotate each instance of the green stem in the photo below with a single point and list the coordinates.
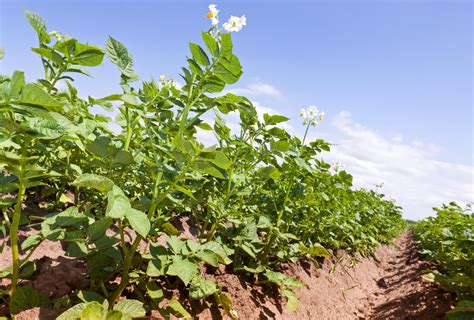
(122, 238)
(14, 231)
(188, 106)
(271, 236)
(129, 130)
(306, 132)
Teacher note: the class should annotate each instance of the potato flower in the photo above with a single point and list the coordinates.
(57, 35)
(235, 24)
(212, 14)
(311, 116)
(303, 114)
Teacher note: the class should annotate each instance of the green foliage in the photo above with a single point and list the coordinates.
(447, 240)
(258, 197)
(123, 310)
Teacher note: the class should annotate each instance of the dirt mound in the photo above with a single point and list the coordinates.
(385, 286)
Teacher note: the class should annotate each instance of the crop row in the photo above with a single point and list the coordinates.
(258, 197)
(447, 240)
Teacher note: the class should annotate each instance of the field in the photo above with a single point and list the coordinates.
(152, 222)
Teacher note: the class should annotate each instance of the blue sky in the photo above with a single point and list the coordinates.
(394, 77)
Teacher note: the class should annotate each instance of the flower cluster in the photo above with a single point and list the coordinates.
(311, 115)
(337, 166)
(167, 83)
(235, 24)
(57, 35)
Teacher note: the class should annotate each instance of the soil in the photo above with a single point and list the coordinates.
(387, 285)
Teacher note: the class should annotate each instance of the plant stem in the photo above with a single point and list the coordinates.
(14, 231)
(129, 130)
(306, 132)
(271, 236)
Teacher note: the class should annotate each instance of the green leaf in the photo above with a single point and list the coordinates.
(123, 157)
(94, 181)
(130, 308)
(199, 55)
(226, 303)
(154, 291)
(175, 244)
(232, 64)
(225, 74)
(268, 172)
(97, 229)
(317, 250)
(201, 288)
(183, 268)
(17, 83)
(119, 55)
(208, 257)
(213, 84)
(208, 168)
(282, 280)
(211, 43)
(38, 24)
(272, 120)
(35, 95)
(47, 129)
(249, 232)
(185, 191)
(218, 250)
(226, 45)
(139, 222)
(170, 229)
(464, 310)
(282, 146)
(118, 205)
(94, 311)
(115, 315)
(222, 161)
(31, 241)
(87, 55)
(27, 298)
(176, 306)
(291, 299)
(72, 313)
(89, 296)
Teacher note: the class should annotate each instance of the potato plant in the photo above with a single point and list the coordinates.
(259, 196)
(447, 240)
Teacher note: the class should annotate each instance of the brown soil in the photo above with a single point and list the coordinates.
(385, 286)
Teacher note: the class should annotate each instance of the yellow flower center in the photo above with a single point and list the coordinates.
(210, 15)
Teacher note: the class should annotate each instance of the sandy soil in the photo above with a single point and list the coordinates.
(385, 286)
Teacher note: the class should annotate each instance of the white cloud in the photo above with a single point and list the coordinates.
(410, 171)
(257, 88)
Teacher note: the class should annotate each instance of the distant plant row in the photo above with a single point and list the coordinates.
(447, 240)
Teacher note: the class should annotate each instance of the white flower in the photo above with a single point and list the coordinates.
(162, 77)
(312, 112)
(235, 24)
(303, 114)
(212, 14)
(336, 165)
(321, 116)
(56, 34)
